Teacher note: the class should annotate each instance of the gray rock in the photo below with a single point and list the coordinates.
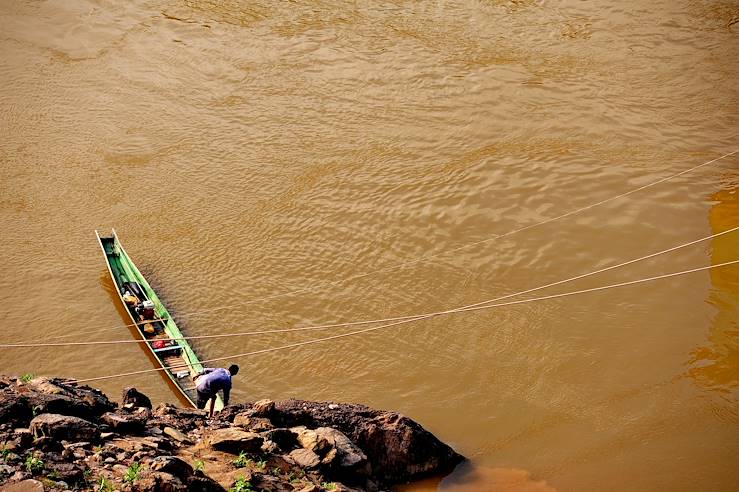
(60, 427)
(233, 440)
(124, 423)
(133, 398)
(177, 435)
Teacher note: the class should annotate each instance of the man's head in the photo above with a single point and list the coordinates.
(234, 369)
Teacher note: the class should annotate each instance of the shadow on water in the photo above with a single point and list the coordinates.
(109, 286)
(715, 365)
(468, 477)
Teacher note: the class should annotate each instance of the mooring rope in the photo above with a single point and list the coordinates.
(382, 320)
(434, 255)
(374, 328)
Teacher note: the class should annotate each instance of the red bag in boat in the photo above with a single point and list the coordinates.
(159, 344)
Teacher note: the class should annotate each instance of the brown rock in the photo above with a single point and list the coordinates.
(263, 408)
(60, 427)
(269, 483)
(310, 439)
(305, 458)
(172, 465)
(159, 482)
(24, 486)
(233, 440)
(254, 424)
(177, 435)
(203, 483)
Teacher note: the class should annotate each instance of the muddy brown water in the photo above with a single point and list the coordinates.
(247, 150)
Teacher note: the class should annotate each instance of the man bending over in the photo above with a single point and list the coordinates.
(211, 381)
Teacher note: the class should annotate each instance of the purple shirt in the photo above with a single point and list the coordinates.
(213, 380)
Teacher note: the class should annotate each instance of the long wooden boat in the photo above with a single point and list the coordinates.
(175, 356)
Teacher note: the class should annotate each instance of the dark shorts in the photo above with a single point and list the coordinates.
(203, 399)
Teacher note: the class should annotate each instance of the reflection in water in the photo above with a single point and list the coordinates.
(470, 478)
(716, 364)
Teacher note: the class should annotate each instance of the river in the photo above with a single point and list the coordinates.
(313, 162)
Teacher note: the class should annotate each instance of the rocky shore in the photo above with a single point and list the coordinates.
(56, 435)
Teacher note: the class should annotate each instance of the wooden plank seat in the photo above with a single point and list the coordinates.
(174, 348)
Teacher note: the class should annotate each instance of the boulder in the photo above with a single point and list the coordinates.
(172, 465)
(285, 439)
(312, 440)
(65, 427)
(68, 472)
(269, 483)
(263, 408)
(305, 458)
(24, 486)
(177, 435)
(124, 423)
(254, 424)
(203, 483)
(133, 398)
(159, 482)
(398, 448)
(233, 440)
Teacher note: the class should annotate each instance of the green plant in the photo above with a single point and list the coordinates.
(27, 377)
(54, 475)
(105, 485)
(87, 475)
(199, 465)
(133, 473)
(241, 485)
(261, 464)
(34, 465)
(242, 460)
(328, 485)
(4, 453)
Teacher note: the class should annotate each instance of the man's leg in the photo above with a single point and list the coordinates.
(203, 400)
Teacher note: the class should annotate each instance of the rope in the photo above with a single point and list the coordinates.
(464, 309)
(435, 255)
(383, 320)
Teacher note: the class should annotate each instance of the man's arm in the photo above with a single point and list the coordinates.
(206, 370)
(226, 395)
(212, 405)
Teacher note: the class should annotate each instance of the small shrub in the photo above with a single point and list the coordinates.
(241, 485)
(34, 465)
(328, 485)
(133, 473)
(4, 453)
(27, 377)
(261, 464)
(54, 475)
(105, 485)
(242, 460)
(199, 465)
